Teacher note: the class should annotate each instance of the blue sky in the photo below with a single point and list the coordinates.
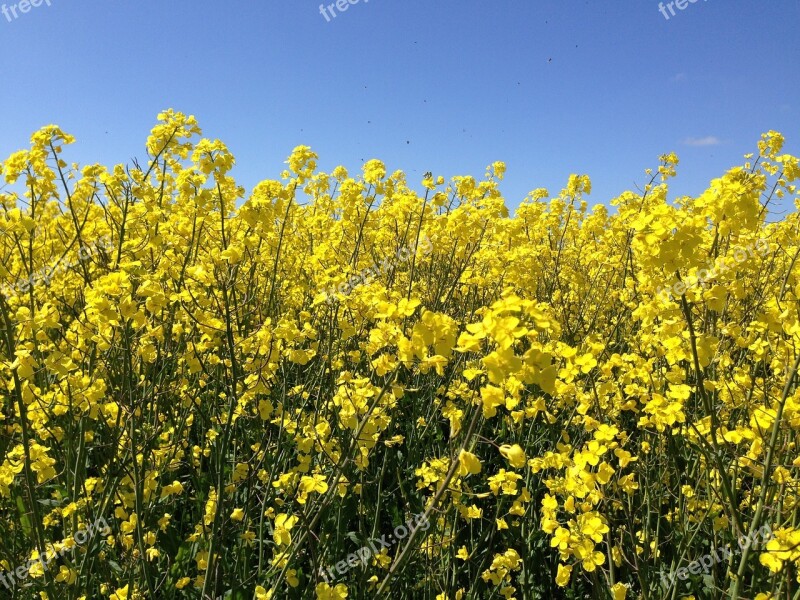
(551, 87)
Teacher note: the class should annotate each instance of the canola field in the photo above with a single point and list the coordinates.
(340, 387)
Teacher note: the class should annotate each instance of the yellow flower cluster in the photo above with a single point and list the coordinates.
(518, 379)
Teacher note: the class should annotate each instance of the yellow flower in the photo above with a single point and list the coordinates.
(515, 455)
(563, 575)
(237, 514)
(492, 397)
(67, 575)
(262, 594)
(182, 582)
(619, 591)
(283, 525)
(120, 594)
(505, 481)
(326, 592)
(468, 463)
(315, 483)
(175, 488)
(291, 578)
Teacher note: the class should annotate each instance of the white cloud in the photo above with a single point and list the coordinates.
(678, 78)
(709, 140)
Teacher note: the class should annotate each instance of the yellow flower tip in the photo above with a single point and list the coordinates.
(469, 463)
(515, 455)
(563, 575)
(619, 591)
(237, 514)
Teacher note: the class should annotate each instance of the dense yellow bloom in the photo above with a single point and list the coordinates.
(181, 355)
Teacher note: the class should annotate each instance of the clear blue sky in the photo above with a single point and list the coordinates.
(552, 87)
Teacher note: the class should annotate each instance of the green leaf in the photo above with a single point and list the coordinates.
(23, 516)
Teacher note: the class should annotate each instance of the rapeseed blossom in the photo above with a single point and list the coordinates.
(519, 378)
